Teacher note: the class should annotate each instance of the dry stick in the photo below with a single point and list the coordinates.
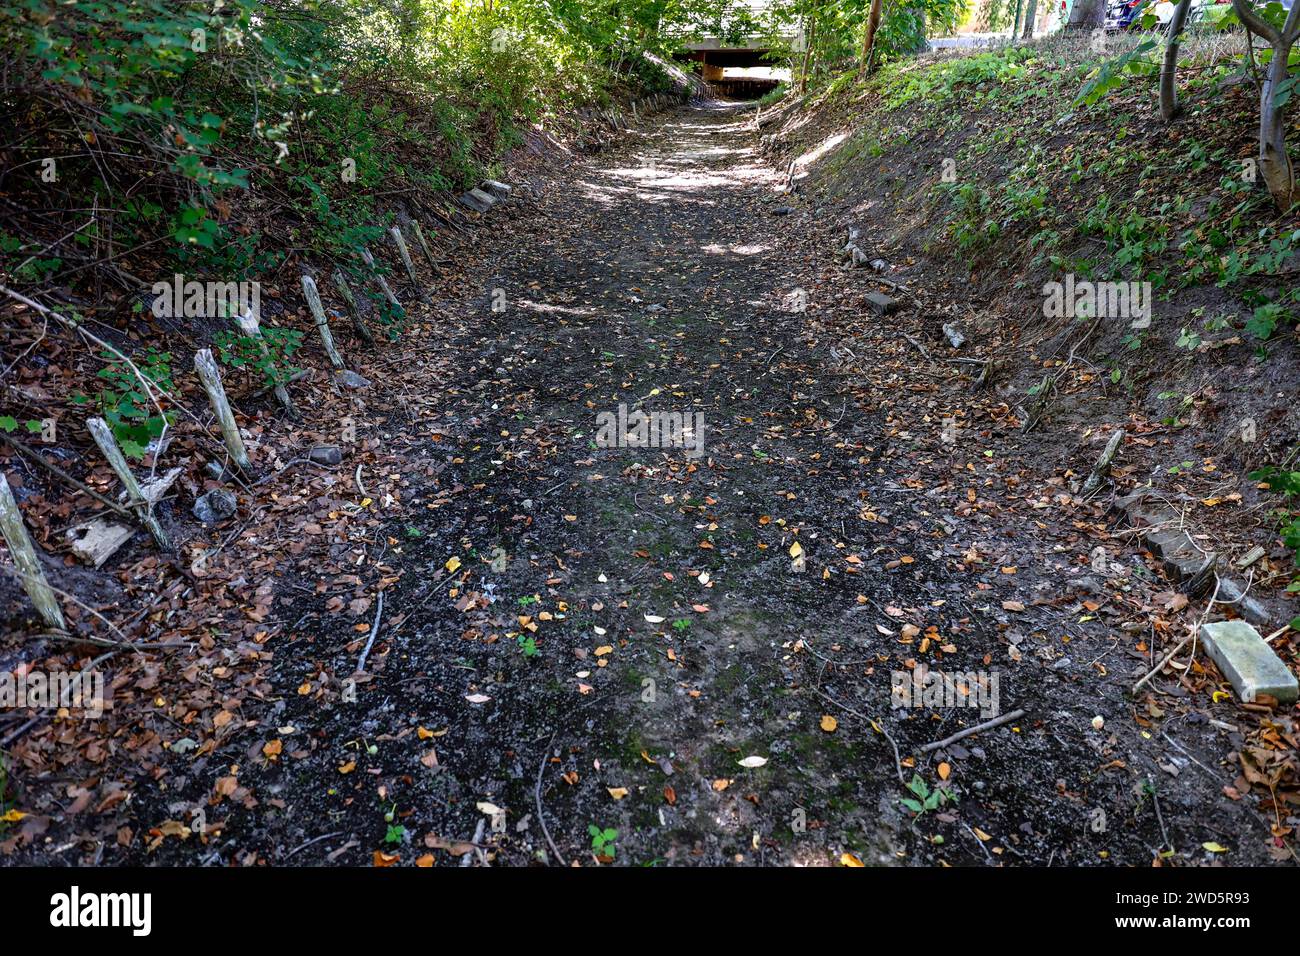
(103, 436)
(358, 322)
(374, 630)
(405, 254)
(1179, 646)
(151, 388)
(424, 245)
(58, 472)
(253, 329)
(537, 798)
(205, 366)
(369, 260)
(24, 556)
(322, 323)
(987, 725)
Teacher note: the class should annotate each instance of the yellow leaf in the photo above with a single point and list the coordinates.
(848, 859)
(12, 816)
(944, 770)
(618, 793)
(796, 549)
(829, 724)
(1214, 847)
(453, 563)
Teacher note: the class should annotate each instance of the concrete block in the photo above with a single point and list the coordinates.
(1248, 662)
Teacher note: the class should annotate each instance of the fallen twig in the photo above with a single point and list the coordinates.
(374, 630)
(987, 725)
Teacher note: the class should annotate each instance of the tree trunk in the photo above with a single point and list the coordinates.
(1169, 70)
(809, 40)
(1087, 15)
(1028, 32)
(1274, 163)
(869, 38)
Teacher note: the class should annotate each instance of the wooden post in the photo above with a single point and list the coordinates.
(322, 323)
(205, 366)
(253, 329)
(369, 260)
(103, 436)
(28, 565)
(358, 322)
(402, 251)
(424, 245)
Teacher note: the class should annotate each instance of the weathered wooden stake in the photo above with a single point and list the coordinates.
(103, 436)
(405, 253)
(253, 329)
(358, 322)
(424, 245)
(322, 323)
(205, 366)
(29, 567)
(369, 260)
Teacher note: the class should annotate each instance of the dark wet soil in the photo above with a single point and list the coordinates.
(623, 627)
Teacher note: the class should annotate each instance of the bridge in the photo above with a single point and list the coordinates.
(736, 62)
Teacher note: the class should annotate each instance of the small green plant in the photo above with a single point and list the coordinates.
(681, 625)
(1287, 484)
(273, 365)
(124, 404)
(527, 644)
(602, 841)
(10, 424)
(926, 799)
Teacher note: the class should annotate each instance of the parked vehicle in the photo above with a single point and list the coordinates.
(1128, 14)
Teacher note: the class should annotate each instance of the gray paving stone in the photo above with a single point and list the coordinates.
(1248, 662)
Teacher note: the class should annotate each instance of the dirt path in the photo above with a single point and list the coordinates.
(588, 637)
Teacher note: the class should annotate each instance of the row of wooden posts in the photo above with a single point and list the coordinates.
(12, 528)
(205, 366)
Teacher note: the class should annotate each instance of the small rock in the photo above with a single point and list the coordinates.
(498, 189)
(477, 200)
(326, 454)
(350, 379)
(955, 338)
(857, 258)
(880, 265)
(216, 505)
(881, 303)
(1248, 662)
(782, 210)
